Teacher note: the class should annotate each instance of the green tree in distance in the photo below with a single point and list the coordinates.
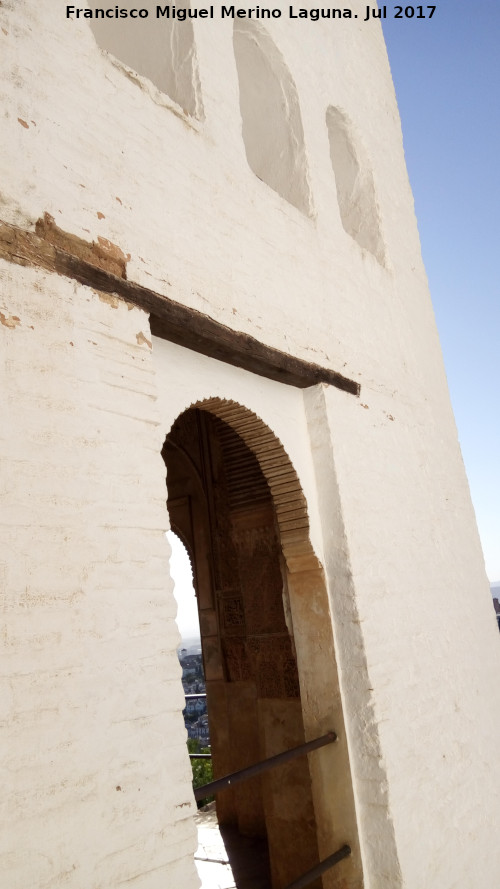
(202, 769)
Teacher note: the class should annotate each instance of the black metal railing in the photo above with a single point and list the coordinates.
(263, 766)
(320, 868)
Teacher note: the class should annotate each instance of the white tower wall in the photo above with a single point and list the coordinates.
(322, 264)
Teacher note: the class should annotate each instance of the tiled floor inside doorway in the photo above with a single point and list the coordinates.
(227, 860)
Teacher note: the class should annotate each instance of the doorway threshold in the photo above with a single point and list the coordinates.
(227, 860)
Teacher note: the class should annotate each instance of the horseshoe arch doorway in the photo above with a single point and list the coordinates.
(235, 501)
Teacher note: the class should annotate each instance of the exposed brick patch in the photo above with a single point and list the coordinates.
(101, 253)
(108, 298)
(143, 340)
(9, 320)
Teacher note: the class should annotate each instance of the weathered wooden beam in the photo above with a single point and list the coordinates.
(95, 265)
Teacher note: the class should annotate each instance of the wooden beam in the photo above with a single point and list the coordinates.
(169, 319)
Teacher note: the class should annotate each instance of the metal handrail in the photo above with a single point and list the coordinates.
(320, 868)
(263, 766)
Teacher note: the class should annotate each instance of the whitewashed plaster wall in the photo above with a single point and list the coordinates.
(96, 784)
(410, 618)
(107, 155)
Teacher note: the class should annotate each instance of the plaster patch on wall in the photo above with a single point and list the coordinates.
(101, 253)
(109, 298)
(143, 340)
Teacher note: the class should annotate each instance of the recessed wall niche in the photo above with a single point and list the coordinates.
(163, 50)
(356, 195)
(270, 113)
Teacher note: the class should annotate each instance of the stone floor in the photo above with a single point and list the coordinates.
(227, 860)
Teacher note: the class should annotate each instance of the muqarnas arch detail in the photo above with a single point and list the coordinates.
(163, 50)
(270, 113)
(356, 195)
(288, 498)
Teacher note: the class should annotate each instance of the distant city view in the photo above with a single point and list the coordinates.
(495, 592)
(193, 683)
(190, 646)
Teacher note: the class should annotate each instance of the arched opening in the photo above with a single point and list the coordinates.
(190, 656)
(161, 49)
(235, 499)
(355, 187)
(181, 570)
(270, 113)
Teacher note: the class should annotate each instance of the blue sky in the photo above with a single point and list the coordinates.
(446, 72)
